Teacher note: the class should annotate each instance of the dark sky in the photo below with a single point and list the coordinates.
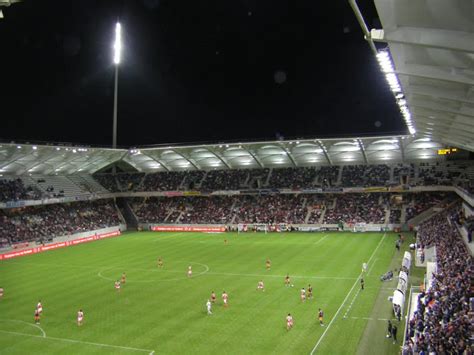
(211, 70)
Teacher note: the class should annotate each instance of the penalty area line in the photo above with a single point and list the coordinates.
(347, 296)
(79, 341)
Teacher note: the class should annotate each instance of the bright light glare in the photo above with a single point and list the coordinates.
(118, 43)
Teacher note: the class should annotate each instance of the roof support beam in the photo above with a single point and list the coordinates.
(254, 156)
(438, 93)
(447, 74)
(44, 161)
(18, 157)
(288, 153)
(445, 124)
(402, 149)
(321, 145)
(185, 157)
(220, 158)
(159, 161)
(362, 149)
(440, 108)
(94, 162)
(427, 37)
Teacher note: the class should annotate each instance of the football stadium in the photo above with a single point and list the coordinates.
(323, 243)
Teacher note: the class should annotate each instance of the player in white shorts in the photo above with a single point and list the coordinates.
(209, 306)
(261, 286)
(39, 307)
(225, 298)
(80, 317)
(289, 322)
(364, 267)
(303, 294)
(190, 271)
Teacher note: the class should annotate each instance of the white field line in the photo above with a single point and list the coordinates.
(23, 322)
(105, 268)
(380, 319)
(371, 266)
(350, 305)
(320, 240)
(79, 342)
(282, 276)
(184, 277)
(347, 296)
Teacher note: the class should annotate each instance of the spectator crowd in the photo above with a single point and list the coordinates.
(271, 208)
(49, 221)
(444, 320)
(15, 190)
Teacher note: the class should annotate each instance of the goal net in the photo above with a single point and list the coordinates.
(360, 227)
(261, 227)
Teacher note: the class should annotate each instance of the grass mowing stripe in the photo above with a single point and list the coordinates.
(345, 299)
(79, 341)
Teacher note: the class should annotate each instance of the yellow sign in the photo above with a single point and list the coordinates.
(447, 151)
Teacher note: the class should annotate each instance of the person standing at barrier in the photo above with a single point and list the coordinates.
(389, 329)
(394, 333)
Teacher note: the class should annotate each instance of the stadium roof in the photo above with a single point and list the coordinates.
(20, 159)
(432, 47)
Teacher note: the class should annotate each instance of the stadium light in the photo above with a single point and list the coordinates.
(118, 43)
(386, 65)
(117, 59)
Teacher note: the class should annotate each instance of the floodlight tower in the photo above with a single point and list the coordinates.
(117, 57)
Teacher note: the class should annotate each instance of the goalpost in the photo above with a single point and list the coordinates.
(261, 227)
(360, 227)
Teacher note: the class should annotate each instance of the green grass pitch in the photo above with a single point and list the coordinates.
(162, 310)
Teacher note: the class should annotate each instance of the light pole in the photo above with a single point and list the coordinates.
(117, 57)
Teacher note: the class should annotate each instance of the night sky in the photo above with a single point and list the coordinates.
(192, 71)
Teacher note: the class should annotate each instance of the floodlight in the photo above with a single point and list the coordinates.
(118, 43)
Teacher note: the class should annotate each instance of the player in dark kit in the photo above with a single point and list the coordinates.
(320, 317)
(310, 292)
(361, 283)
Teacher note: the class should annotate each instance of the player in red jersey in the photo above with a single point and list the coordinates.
(190, 271)
(225, 298)
(1, 292)
(80, 317)
(160, 262)
(268, 264)
(37, 316)
(289, 322)
(287, 280)
(261, 286)
(123, 278)
(303, 295)
(320, 317)
(213, 297)
(117, 285)
(310, 292)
